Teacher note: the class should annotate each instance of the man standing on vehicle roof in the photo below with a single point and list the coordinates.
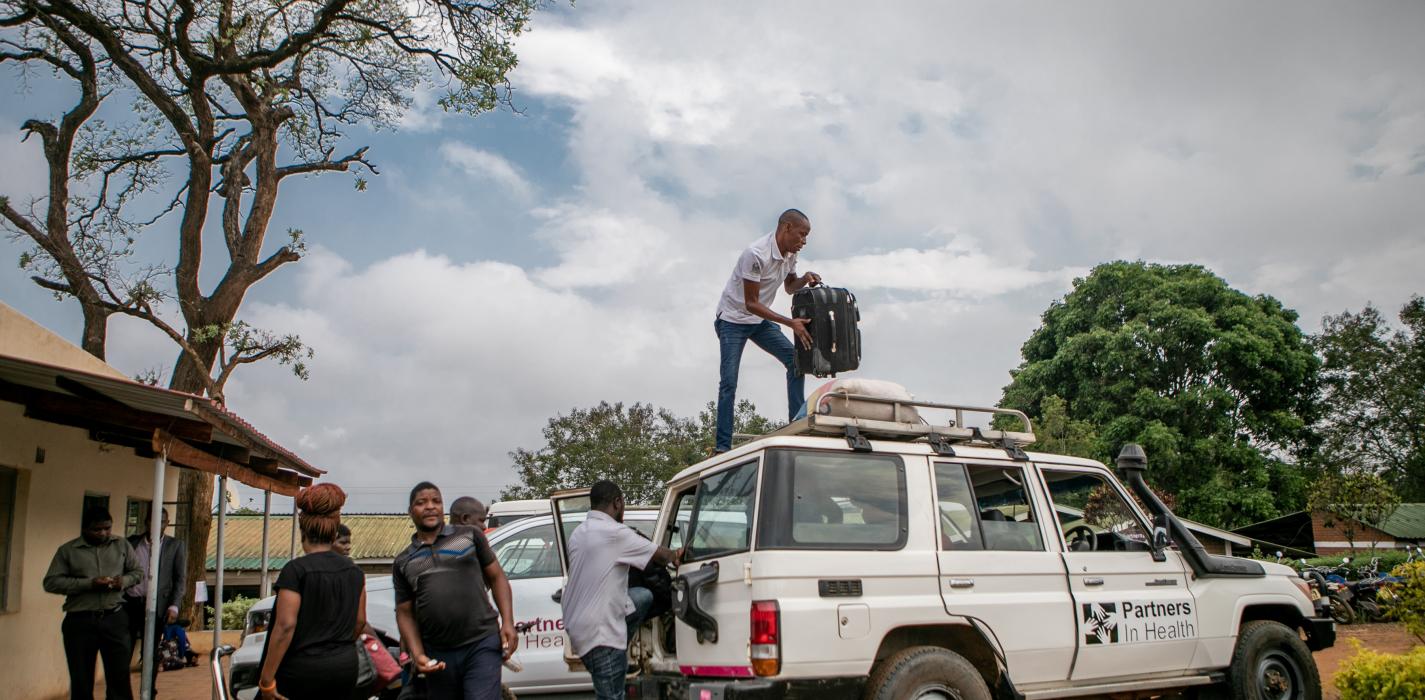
(744, 313)
(601, 613)
(442, 605)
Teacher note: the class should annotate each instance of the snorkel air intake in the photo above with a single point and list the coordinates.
(1132, 462)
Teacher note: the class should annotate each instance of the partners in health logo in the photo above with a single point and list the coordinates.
(1100, 623)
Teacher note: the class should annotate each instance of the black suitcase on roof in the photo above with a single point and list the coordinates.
(836, 341)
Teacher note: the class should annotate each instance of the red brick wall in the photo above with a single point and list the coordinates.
(1363, 535)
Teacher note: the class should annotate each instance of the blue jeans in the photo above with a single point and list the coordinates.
(609, 666)
(732, 338)
(471, 672)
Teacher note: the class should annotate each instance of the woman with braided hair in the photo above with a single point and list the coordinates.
(320, 610)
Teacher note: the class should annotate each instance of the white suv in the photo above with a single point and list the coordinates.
(893, 558)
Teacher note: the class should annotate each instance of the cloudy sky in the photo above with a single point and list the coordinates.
(961, 164)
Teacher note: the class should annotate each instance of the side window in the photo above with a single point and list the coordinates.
(642, 527)
(136, 516)
(829, 500)
(982, 507)
(959, 521)
(1092, 515)
(722, 513)
(682, 518)
(529, 554)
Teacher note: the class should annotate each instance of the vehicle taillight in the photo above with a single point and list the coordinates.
(766, 638)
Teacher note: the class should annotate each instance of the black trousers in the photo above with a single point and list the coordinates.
(134, 607)
(327, 676)
(105, 634)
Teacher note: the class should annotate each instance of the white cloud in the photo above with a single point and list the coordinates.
(487, 166)
(23, 174)
(958, 268)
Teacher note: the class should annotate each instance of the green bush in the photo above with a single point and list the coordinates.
(1371, 675)
(1407, 598)
(234, 612)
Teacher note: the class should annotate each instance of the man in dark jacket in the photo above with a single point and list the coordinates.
(172, 582)
(91, 572)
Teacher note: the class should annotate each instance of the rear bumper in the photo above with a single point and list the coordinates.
(1320, 632)
(680, 688)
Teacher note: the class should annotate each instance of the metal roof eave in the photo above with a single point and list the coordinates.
(132, 398)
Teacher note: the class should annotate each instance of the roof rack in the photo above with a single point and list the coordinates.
(941, 437)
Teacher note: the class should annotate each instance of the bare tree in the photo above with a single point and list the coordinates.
(230, 98)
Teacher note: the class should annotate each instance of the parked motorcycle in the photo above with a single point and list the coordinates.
(1332, 586)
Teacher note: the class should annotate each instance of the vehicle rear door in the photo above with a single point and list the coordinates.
(1135, 616)
(719, 536)
(571, 509)
(998, 565)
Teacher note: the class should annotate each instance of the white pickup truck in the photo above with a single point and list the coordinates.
(894, 556)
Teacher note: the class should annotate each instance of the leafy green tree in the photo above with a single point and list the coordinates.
(1356, 498)
(1373, 393)
(638, 447)
(1215, 384)
(1055, 431)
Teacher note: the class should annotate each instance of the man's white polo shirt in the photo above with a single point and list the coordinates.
(595, 600)
(764, 264)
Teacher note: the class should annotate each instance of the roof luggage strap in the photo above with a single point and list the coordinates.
(856, 441)
(940, 444)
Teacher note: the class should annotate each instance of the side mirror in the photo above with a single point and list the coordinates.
(1160, 543)
(1345, 561)
(1279, 555)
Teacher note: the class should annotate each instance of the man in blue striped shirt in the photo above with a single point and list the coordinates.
(442, 585)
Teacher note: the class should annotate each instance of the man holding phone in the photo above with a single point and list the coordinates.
(91, 572)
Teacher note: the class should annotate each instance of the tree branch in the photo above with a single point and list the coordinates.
(328, 165)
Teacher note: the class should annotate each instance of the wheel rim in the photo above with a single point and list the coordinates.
(936, 691)
(1339, 612)
(1278, 676)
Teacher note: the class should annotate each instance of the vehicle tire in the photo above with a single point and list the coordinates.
(926, 673)
(1368, 611)
(1341, 611)
(1272, 663)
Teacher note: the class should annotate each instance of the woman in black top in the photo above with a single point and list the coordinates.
(321, 609)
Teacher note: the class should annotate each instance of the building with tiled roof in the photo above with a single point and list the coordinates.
(1324, 533)
(376, 539)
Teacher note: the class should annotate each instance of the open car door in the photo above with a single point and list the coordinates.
(571, 508)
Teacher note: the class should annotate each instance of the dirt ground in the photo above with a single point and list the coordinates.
(1383, 637)
(1390, 638)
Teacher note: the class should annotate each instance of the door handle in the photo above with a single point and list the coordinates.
(1162, 582)
(1093, 581)
(962, 583)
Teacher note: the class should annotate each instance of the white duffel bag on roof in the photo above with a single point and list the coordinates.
(829, 399)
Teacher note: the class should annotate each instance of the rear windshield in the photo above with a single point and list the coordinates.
(832, 500)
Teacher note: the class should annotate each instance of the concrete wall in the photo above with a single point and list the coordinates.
(48, 506)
